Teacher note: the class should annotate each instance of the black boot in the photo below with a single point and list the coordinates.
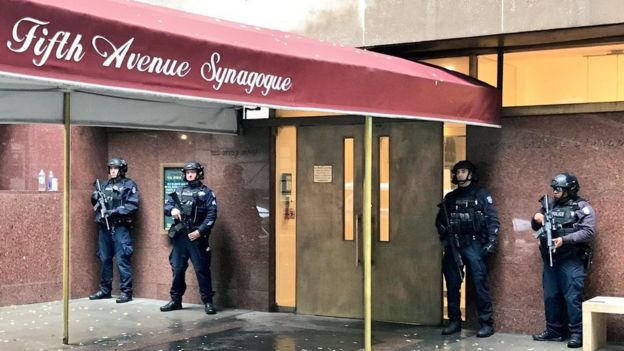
(124, 297)
(548, 335)
(171, 306)
(100, 295)
(209, 308)
(453, 326)
(485, 331)
(576, 341)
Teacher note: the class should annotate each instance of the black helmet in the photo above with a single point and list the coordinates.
(120, 163)
(193, 165)
(465, 164)
(566, 181)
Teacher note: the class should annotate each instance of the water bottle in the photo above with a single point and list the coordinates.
(42, 181)
(55, 184)
(51, 182)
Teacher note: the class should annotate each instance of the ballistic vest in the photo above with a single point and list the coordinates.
(192, 199)
(565, 219)
(113, 193)
(467, 215)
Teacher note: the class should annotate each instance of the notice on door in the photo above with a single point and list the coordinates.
(322, 174)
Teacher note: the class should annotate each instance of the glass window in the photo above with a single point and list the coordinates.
(349, 173)
(564, 76)
(285, 224)
(384, 188)
(486, 69)
(454, 150)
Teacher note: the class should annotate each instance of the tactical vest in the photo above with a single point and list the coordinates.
(113, 193)
(192, 200)
(566, 222)
(565, 219)
(467, 215)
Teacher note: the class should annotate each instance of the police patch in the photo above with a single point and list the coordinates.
(585, 210)
(134, 189)
(489, 199)
(201, 193)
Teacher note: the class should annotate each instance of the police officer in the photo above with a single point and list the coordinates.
(195, 206)
(468, 227)
(116, 201)
(574, 228)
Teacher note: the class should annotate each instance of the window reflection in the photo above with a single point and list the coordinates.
(349, 172)
(457, 64)
(384, 188)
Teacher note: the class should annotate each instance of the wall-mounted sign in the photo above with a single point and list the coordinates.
(322, 174)
(171, 179)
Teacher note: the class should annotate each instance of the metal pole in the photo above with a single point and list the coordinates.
(66, 186)
(367, 219)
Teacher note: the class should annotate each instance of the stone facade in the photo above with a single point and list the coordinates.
(237, 169)
(517, 163)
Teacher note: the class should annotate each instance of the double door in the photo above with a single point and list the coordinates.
(407, 185)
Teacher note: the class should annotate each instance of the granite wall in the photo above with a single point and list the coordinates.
(31, 221)
(237, 169)
(517, 163)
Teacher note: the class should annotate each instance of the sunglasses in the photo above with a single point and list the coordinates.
(558, 189)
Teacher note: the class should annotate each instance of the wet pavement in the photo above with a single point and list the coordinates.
(139, 325)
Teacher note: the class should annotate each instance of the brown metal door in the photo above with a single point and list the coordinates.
(406, 269)
(329, 279)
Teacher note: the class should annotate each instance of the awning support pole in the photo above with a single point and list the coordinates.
(66, 222)
(367, 219)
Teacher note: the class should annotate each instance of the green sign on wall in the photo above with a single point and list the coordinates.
(171, 180)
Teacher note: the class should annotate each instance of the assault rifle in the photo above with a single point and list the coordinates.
(453, 240)
(547, 228)
(101, 203)
(180, 226)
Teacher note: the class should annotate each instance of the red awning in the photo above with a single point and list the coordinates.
(132, 47)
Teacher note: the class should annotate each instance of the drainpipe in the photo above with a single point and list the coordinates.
(66, 186)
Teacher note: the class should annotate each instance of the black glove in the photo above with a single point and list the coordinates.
(111, 213)
(94, 197)
(488, 249)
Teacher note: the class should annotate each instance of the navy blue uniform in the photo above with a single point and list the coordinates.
(199, 211)
(122, 201)
(575, 222)
(470, 224)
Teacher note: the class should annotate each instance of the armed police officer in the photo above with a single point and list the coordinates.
(116, 201)
(194, 210)
(573, 223)
(468, 227)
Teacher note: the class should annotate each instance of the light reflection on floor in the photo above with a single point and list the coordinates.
(139, 325)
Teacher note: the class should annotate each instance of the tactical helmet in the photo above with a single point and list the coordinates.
(464, 164)
(566, 181)
(120, 163)
(193, 165)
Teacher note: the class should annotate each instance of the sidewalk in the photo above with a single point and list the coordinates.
(139, 325)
